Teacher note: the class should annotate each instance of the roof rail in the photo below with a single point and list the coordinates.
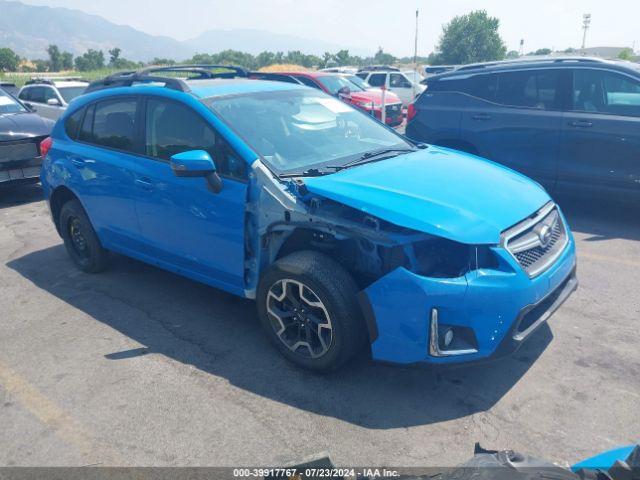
(52, 80)
(521, 61)
(146, 75)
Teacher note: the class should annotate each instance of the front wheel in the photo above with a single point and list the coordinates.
(307, 304)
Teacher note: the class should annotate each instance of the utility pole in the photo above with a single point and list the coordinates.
(521, 46)
(586, 21)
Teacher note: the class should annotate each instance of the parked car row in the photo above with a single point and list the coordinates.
(51, 96)
(572, 124)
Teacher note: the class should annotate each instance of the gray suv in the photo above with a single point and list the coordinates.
(49, 97)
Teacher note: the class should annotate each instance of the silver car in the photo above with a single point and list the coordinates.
(49, 97)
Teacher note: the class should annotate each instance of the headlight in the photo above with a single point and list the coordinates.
(442, 258)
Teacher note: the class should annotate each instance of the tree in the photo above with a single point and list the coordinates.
(626, 54)
(511, 54)
(8, 60)
(542, 51)
(55, 58)
(382, 58)
(67, 60)
(471, 38)
(114, 55)
(90, 60)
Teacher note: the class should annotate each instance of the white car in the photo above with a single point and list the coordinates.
(396, 82)
(49, 97)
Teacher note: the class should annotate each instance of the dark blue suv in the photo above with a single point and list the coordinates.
(572, 124)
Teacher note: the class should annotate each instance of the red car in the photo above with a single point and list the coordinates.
(340, 86)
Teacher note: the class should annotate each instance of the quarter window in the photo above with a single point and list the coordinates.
(605, 92)
(173, 128)
(72, 124)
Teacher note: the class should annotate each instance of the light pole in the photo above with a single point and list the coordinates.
(586, 21)
(415, 55)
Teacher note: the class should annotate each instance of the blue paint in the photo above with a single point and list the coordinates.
(605, 460)
(437, 191)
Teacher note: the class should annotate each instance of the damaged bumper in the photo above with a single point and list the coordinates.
(485, 314)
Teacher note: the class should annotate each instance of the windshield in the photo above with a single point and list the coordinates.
(69, 93)
(296, 130)
(8, 104)
(358, 81)
(333, 83)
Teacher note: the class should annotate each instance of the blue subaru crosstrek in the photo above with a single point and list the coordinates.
(344, 232)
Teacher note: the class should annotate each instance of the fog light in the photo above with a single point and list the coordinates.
(448, 337)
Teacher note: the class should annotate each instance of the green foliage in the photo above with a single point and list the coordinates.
(511, 54)
(626, 54)
(471, 38)
(55, 58)
(382, 58)
(542, 51)
(8, 60)
(569, 50)
(67, 60)
(90, 60)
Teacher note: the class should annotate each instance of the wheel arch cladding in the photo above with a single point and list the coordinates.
(59, 197)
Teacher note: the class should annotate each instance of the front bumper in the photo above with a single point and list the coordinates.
(503, 307)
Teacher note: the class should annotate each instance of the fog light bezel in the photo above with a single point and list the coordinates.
(434, 340)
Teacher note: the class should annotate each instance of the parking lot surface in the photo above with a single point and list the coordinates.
(137, 366)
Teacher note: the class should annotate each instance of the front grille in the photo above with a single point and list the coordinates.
(18, 151)
(537, 241)
(393, 110)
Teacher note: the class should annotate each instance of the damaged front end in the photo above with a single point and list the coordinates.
(425, 299)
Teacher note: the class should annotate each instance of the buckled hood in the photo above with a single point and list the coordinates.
(438, 191)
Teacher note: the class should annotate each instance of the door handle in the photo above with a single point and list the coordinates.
(145, 183)
(78, 162)
(481, 116)
(581, 124)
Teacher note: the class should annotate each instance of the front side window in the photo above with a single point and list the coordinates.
(297, 130)
(111, 125)
(605, 92)
(528, 88)
(173, 128)
(335, 83)
(8, 104)
(397, 80)
(36, 94)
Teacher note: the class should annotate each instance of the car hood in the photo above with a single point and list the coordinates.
(17, 126)
(437, 191)
(375, 96)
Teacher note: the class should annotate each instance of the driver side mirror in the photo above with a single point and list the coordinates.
(344, 92)
(54, 102)
(197, 163)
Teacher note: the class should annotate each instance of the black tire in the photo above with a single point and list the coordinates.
(80, 239)
(332, 285)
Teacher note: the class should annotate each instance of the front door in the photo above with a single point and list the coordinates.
(188, 228)
(601, 134)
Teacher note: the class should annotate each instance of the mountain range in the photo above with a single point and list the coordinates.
(29, 29)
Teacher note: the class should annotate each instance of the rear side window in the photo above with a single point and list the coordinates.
(111, 124)
(72, 125)
(605, 92)
(377, 79)
(529, 88)
(173, 128)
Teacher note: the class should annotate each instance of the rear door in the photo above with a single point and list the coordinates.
(187, 227)
(515, 118)
(101, 164)
(601, 134)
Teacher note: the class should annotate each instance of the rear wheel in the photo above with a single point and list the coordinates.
(80, 239)
(307, 304)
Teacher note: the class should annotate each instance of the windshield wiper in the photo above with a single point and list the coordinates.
(312, 172)
(372, 157)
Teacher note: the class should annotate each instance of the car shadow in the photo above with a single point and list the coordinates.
(601, 220)
(219, 334)
(12, 195)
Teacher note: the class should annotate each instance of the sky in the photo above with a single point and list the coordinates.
(368, 24)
